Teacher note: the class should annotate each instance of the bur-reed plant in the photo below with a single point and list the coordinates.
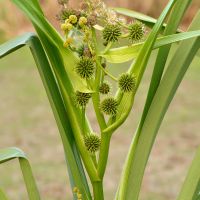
(74, 69)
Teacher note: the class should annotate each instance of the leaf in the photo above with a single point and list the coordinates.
(54, 52)
(145, 135)
(127, 53)
(147, 20)
(12, 153)
(172, 26)
(191, 186)
(76, 171)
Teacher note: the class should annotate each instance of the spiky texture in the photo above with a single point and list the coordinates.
(127, 82)
(104, 88)
(66, 12)
(109, 106)
(80, 50)
(92, 142)
(85, 68)
(136, 31)
(111, 33)
(82, 99)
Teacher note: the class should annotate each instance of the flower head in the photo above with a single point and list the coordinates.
(85, 68)
(104, 88)
(127, 82)
(82, 99)
(92, 142)
(109, 106)
(111, 33)
(136, 31)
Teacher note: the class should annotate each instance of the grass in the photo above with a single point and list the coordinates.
(26, 121)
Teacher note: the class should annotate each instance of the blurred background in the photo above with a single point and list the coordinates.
(26, 120)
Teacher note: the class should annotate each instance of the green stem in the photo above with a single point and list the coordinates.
(103, 156)
(98, 190)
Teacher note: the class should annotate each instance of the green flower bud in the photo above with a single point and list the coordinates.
(136, 31)
(111, 33)
(85, 68)
(104, 88)
(92, 142)
(127, 83)
(82, 99)
(109, 106)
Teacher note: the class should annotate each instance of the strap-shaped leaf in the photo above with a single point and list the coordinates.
(12, 153)
(147, 20)
(75, 168)
(191, 186)
(145, 136)
(124, 54)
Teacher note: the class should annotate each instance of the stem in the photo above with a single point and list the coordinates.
(98, 190)
(103, 156)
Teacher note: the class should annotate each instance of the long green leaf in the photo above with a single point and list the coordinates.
(12, 153)
(141, 146)
(127, 53)
(191, 186)
(75, 168)
(173, 23)
(147, 20)
(64, 79)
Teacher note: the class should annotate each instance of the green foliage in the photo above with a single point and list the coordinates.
(74, 70)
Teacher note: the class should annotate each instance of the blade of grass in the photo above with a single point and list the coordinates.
(12, 153)
(191, 186)
(75, 168)
(145, 136)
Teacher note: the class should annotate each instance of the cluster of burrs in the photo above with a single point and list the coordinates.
(81, 23)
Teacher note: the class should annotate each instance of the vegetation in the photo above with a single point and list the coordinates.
(74, 70)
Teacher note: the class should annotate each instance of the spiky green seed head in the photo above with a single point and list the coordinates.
(80, 50)
(109, 106)
(66, 12)
(111, 33)
(82, 99)
(73, 19)
(92, 142)
(136, 31)
(127, 82)
(85, 68)
(104, 88)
